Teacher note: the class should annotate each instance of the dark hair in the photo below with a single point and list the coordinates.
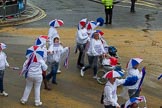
(56, 38)
(94, 34)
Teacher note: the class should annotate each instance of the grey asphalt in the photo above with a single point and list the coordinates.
(72, 11)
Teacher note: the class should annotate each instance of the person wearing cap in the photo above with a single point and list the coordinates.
(95, 50)
(52, 32)
(82, 39)
(3, 65)
(134, 71)
(110, 91)
(108, 10)
(55, 51)
(33, 78)
(42, 44)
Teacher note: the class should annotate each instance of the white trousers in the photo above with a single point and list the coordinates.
(30, 82)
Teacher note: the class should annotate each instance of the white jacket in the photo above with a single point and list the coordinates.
(134, 72)
(52, 32)
(55, 52)
(35, 68)
(45, 53)
(3, 61)
(82, 36)
(96, 48)
(110, 95)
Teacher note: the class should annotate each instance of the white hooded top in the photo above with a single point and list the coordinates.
(52, 32)
(45, 53)
(35, 68)
(82, 36)
(96, 48)
(134, 72)
(110, 95)
(3, 61)
(55, 52)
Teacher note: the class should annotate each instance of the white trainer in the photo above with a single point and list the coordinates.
(23, 102)
(82, 72)
(95, 77)
(4, 93)
(58, 71)
(38, 104)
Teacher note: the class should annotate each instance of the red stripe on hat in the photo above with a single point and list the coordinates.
(35, 59)
(45, 37)
(35, 47)
(89, 26)
(60, 23)
(101, 33)
(82, 23)
(110, 75)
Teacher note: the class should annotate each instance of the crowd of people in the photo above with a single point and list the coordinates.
(93, 44)
(48, 51)
(39, 57)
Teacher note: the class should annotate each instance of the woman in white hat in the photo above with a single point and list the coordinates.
(82, 39)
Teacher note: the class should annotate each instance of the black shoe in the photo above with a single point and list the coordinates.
(110, 23)
(47, 88)
(106, 23)
(132, 11)
(80, 66)
(54, 83)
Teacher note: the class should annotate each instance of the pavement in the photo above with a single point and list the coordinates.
(31, 13)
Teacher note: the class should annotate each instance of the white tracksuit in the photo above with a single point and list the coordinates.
(34, 79)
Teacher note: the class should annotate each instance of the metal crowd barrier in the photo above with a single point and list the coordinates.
(11, 10)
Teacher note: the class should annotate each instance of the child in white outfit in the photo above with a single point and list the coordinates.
(52, 32)
(54, 54)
